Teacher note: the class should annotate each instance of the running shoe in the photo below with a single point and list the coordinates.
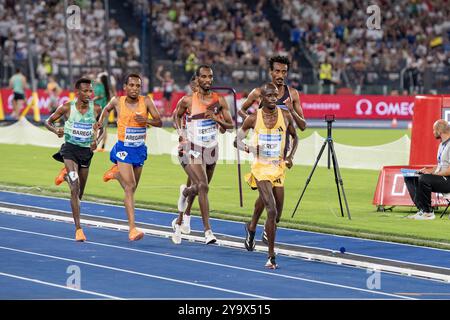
(209, 237)
(271, 264)
(176, 237)
(182, 199)
(249, 238)
(61, 176)
(186, 225)
(424, 216)
(264, 237)
(109, 175)
(79, 235)
(135, 235)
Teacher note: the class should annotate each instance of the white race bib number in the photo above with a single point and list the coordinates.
(82, 132)
(269, 145)
(135, 137)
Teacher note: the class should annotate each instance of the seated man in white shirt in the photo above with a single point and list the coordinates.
(436, 179)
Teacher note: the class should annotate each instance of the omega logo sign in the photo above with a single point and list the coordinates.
(382, 108)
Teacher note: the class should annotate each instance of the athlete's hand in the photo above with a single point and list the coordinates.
(288, 162)
(60, 132)
(140, 119)
(289, 104)
(209, 114)
(93, 145)
(97, 125)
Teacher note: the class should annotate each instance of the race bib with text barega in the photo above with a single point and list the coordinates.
(135, 137)
(269, 145)
(82, 132)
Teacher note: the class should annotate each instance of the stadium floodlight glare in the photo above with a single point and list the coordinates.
(329, 119)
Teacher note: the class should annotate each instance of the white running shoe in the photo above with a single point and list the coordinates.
(186, 225)
(182, 200)
(424, 216)
(209, 237)
(174, 222)
(413, 216)
(176, 237)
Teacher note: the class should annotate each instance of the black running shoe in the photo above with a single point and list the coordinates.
(249, 239)
(264, 237)
(271, 264)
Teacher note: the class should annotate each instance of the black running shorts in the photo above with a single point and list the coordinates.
(80, 155)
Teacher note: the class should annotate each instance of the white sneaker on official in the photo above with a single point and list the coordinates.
(186, 225)
(176, 237)
(209, 237)
(182, 200)
(413, 216)
(425, 216)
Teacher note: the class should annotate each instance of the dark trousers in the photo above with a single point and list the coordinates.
(421, 187)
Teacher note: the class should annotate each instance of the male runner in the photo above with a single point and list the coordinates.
(287, 99)
(80, 130)
(271, 126)
(130, 151)
(206, 112)
(185, 204)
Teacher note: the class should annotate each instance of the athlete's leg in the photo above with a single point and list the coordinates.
(257, 212)
(199, 171)
(278, 192)
(266, 193)
(127, 180)
(83, 173)
(209, 174)
(73, 180)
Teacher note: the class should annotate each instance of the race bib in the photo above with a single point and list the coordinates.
(204, 133)
(269, 145)
(82, 132)
(135, 137)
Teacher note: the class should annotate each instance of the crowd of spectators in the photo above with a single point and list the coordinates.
(231, 34)
(47, 35)
(414, 35)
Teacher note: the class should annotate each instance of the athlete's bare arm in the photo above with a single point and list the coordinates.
(253, 97)
(225, 122)
(293, 133)
(59, 112)
(98, 136)
(113, 104)
(181, 108)
(295, 108)
(155, 120)
(249, 123)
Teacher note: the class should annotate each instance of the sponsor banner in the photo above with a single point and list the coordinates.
(43, 101)
(391, 189)
(314, 106)
(357, 106)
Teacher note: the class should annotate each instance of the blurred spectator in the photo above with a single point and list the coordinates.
(18, 83)
(168, 87)
(53, 91)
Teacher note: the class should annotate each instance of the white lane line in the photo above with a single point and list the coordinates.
(136, 273)
(59, 286)
(233, 222)
(215, 264)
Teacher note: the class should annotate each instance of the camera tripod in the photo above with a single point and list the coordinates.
(337, 175)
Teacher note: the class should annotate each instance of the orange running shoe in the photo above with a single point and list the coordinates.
(135, 235)
(79, 235)
(110, 173)
(61, 176)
